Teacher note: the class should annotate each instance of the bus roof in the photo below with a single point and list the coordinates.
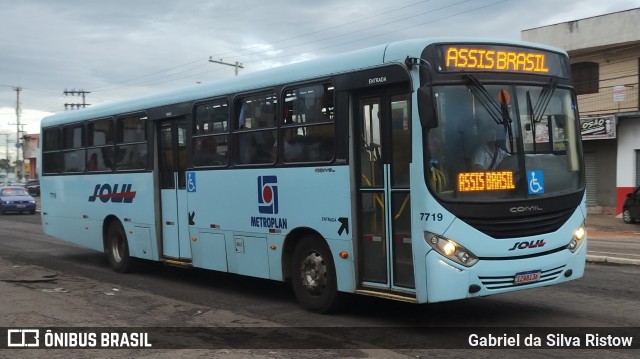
(317, 68)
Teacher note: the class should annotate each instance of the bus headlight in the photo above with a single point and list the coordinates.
(578, 236)
(451, 249)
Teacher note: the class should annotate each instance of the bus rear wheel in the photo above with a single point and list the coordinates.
(314, 276)
(117, 248)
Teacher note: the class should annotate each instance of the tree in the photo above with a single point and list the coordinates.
(5, 165)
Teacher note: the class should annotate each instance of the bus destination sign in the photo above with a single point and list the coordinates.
(493, 58)
(485, 181)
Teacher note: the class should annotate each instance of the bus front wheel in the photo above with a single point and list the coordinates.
(117, 248)
(313, 276)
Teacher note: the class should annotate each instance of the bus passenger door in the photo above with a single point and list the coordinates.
(383, 154)
(172, 151)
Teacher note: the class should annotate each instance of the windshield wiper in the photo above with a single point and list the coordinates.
(488, 102)
(532, 121)
(498, 111)
(545, 98)
(535, 114)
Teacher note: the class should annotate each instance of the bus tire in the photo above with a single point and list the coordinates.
(117, 248)
(313, 276)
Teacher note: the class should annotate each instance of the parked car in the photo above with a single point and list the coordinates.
(33, 187)
(16, 199)
(631, 207)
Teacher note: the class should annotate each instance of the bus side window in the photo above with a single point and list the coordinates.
(73, 149)
(256, 129)
(100, 134)
(308, 131)
(210, 134)
(51, 146)
(131, 147)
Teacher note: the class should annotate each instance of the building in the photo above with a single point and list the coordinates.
(30, 155)
(604, 52)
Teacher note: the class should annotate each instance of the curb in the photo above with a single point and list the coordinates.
(613, 260)
(612, 234)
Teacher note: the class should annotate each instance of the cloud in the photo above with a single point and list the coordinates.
(119, 49)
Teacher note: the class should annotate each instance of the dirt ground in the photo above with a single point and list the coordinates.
(36, 297)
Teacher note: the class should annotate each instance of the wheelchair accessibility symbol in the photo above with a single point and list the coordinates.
(191, 181)
(535, 180)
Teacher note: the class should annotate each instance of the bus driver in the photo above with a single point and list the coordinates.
(488, 156)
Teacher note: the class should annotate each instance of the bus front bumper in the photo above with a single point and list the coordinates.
(447, 280)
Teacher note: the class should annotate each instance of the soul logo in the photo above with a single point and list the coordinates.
(107, 193)
(531, 244)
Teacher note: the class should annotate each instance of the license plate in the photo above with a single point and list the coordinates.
(527, 277)
(21, 206)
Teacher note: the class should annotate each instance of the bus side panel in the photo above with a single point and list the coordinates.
(344, 266)
(270, 203)
(142, 243)
(84, 233)
(75, 208)
(275, 243)
(209, 250)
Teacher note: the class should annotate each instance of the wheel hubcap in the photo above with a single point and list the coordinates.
(313, 273)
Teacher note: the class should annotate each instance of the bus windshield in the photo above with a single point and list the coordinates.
(503, 142)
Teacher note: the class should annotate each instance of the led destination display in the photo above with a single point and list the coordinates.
(493, 58)
(485, 181)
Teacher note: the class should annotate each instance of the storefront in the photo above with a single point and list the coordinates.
(628, 159)
(600, 150)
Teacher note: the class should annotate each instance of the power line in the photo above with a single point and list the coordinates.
(164, 80)
(383, 13)
(402, 29)
(199, 61)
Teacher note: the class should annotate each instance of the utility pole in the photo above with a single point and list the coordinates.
(82, 93)
(236, 65)
(18, 144)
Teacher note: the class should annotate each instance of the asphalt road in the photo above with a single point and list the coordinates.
(87, 293)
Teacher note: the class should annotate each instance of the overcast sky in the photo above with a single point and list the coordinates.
(117, 49)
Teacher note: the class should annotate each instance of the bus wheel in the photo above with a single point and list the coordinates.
(314, 276)
(117, 248)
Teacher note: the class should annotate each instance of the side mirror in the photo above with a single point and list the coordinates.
(427, 108)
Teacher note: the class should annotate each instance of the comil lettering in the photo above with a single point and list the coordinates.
(495, 60)
(525, 209)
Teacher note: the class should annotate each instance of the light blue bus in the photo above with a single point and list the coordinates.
(422, 171)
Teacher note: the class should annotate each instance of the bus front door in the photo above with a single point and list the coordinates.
(383, 151)
(172, 153)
